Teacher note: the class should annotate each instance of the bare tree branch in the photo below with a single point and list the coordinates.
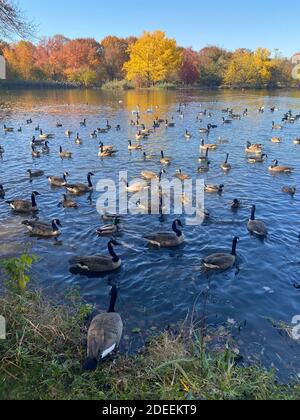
(13, 22)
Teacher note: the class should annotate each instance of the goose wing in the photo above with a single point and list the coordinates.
(257, 227)
(94, 264)
(20, 205)
(219, 261)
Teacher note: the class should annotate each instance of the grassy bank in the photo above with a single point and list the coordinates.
(117, 85)
(45, 348)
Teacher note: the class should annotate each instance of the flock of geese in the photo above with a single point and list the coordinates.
(106, 330)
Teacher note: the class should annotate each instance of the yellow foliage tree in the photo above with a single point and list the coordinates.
(250, 69)
(153, 58)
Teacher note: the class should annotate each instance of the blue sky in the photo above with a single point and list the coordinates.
(196, 23)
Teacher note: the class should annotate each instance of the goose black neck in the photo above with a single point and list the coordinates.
(113, 300)
(33, 200)
(176, 230)
(112, 253)
(234, 245)
(253, 213)
(54, 226)
(89, 178)
(227, 158)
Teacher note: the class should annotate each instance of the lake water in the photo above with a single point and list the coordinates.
(160, 287)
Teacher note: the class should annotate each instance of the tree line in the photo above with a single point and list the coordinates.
(151, 59)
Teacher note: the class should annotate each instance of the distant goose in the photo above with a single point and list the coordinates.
(106, 148)
(187, 134)
(83, 123)
(276, 140)
(204, 167)
(180, 175)
(164, 160)
(44, 230)
(44, 136)
(46, 148)
(65, 154)
(253, 148)
(2, 192)
(214, 189)
(99, 263)
(1, 150)
(106, 152)
(256, 227)
(275, 168)
(167, 240)
(205, 146)
(68, 133)
(289, 190)
(104, 334)
(59, 182)
(29, 121)
(205, 130)
(204, 159)
(35, 153)
(35, 174)
(226, 167)
(136, 187)
(226, 121)
(78, 140)
(94, 135)
(297, 142)
(67, 203)
(258, 159)
(148, 175)
(8, 129)
(235, 205)
(78, 189)
(222, 261)
(24, 206)
(133, 146)
(170, 124)
(276, 126)
(59, 125)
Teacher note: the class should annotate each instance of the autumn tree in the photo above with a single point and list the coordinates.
(250, 69)
(213, 63)
(20, 58)
(189, 69)
(115, 55)
(152, 59)
(50, 56)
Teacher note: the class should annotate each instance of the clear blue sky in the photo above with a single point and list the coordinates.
(228, 23)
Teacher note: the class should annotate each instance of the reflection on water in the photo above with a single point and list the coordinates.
(159, 287)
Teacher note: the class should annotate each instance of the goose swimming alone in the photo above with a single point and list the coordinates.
(167, 240)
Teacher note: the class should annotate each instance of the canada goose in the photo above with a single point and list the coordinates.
(109, 229)
(222, 261)
(78, 140)
(45, 230)
(94, 135)
(108, 126)
(214, 189)
(253, 148)
(276, 140)
(169, 124)
(59, 125)
(24, 206)
(276, 126)
(99, 263)
(58, 182)
(83, 123)
(2, 192)
(204, 159)
(65, 154)
(68, 133)
(167, 240)
(1, 150)
(235, 205)
(46, 148)
(297, 142)
(140, 136)
(29, 121)
(102, 130)
(226, 121)
(289, 190)
(136, 187)
(258, 159)
(144, 208)
(106, 153)
(118, 127)
(147, 157)
(68, 203)
(35, 174)
(164, 160)
(108, 217)
(35, 153)
(133, 146)
(148, 175)
(8, 129)
(180, 175)
(78, 189)
(36, 142)
(204, 146)
(187, 134)
(44, 136)
(20, 130)
(106, 148)
(205, 130)
(205, 167)
(104, 334)
(256, 227)
(280, 169)
(226, 166)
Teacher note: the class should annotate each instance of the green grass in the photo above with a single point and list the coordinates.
(45, 348)
(117, 85)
